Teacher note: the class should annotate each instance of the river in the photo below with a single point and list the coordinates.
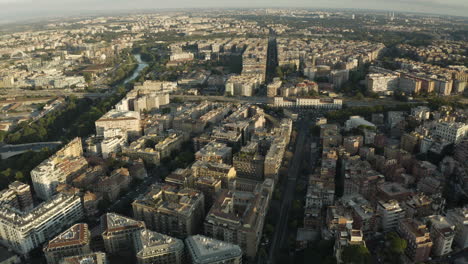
(136, 72)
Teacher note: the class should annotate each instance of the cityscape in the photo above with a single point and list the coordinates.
(235, 136)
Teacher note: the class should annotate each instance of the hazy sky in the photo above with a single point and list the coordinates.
(19, 9)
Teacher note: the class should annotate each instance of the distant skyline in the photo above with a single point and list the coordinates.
(14, 10)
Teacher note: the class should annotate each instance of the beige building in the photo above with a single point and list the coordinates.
(390, 213)
(127, 121)
(226, 173)
(25, 231)
(215, 152)
(442, 234)
(248, 162)
(155, 248)
(238, 217)
(171, 210)
(120, 232)
(18, 195)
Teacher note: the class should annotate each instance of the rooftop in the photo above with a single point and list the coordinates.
(77, 235)
(208, 250)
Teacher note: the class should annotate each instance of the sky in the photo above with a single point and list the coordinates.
(11, 10)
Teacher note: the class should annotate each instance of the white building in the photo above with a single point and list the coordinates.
(182, 56)
(24, 231)
(356, 121)
(308, 102)
(112, 145)
(442, 235)
(242, 85)
(451, 132)
(391, 213)
(382, 82)
(128, 121)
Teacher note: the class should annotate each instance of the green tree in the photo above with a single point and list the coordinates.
(356, 254)
(397, 244)
(19, 176)
(88, 77)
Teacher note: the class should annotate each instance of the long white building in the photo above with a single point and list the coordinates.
(452, 132)
(24, 231)
(307, 102)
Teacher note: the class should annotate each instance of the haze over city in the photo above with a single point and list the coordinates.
(12, 10)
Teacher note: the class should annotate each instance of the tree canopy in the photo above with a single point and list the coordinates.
(356, 254)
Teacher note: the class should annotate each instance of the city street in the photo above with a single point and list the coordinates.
(280, 237)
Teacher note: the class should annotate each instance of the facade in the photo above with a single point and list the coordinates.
(243, 85)
(307, 102)
(382, 82)
(272, 88)
(127, 121)
(363, 213)
(59, 168)
(391, 213)
(18, 195)
(206, 250)
(418, 237)
(226, 173)
(442, 234)
(25, 231)
(155, 248)
(215, 152)
(451, 132)
(171, 210)
(238, 217)
(459, 218)
(249, 164)
(120, 232)
(74, 241)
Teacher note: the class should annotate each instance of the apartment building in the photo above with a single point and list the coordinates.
(249, 163)
(215, 152)
(120, 232)
(418, 237)
(152, 247)
(391, 213)
(459, 218)
(451, 132)
(442, 235)
(59, 168)
(25, 231)
(206, 250)
(18, 195)
(225, 173)
(238, 217)
(127, 121)
(171, 210)
(74, 241)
